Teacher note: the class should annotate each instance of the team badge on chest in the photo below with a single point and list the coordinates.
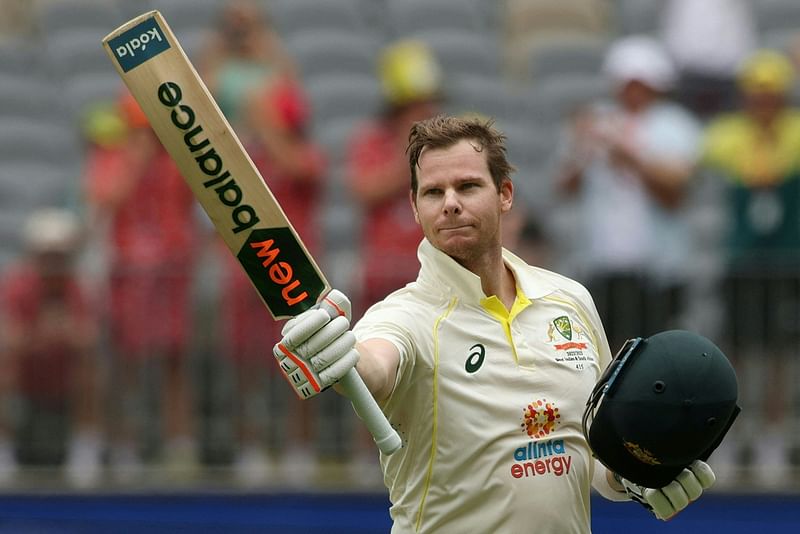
(568, 339)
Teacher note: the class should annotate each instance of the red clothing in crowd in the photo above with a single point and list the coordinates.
(54, 321)
(154, 223)
(246, 321)
(390, 235)
(152, 240)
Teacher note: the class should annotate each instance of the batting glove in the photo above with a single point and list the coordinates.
(317, 348)
(666, 502)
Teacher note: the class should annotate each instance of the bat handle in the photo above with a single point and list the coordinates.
(386, 437)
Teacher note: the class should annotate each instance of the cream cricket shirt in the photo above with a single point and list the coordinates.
(489, 401)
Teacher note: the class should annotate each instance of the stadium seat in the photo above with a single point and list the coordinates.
(27, 96)
(529, 145)
(21, 57)
(81, 92)
(638, 16)
(554, 98)
(29, 184)
(574, 54)
(95, 16)
(334, 135)
(130, 9)
(339, 96)
(321, 53)
(194, 42)
(406, 17)
(530, 24)
(777, 15)
(564, 225)
(782, 39)
(524, 18)
(73, 53)
(292, 16)
(534, 189)
(464, 53)
(8, 254)
(44, 141)
(12, 219)
(188, 15)
(486, 95)
(341, 232)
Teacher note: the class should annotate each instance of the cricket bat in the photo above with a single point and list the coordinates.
(223, 178)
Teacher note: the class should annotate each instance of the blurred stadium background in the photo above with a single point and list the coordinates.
(527, 63)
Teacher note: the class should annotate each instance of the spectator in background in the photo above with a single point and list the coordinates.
(629, 165)
(378, 173)
(241, 57)
(136, 190)
(757, 151)
(708, 40)
(294, 167)
(49, 358)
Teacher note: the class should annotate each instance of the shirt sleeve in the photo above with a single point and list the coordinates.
(584, 298)
(390, 320)
(601, 485)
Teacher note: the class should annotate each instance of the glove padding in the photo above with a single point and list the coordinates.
(666, 502)
(317, 348)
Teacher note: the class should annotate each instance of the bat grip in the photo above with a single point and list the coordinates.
(386, 437)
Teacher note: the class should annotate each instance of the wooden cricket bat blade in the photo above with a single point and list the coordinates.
(223, 178)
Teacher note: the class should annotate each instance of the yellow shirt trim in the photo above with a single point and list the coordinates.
(498, 310)
(429, 474)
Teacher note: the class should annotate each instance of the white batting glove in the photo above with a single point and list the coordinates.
(666, 502)
(317, 348)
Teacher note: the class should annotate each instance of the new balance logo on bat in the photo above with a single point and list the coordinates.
(208, 160)
(139, 44)
(273, 258)
(281, 271)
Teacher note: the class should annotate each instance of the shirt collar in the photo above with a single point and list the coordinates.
(441, 272)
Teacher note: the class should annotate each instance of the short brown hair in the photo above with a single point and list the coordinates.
(444, 131)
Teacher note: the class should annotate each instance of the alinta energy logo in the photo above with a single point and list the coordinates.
(540, 418)
(540, 456)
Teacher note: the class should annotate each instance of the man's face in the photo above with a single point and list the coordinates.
(457, 203)
(634, 96)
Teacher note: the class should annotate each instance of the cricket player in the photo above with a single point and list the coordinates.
(483, 364)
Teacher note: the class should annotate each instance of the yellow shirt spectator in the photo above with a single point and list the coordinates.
(750, 155)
